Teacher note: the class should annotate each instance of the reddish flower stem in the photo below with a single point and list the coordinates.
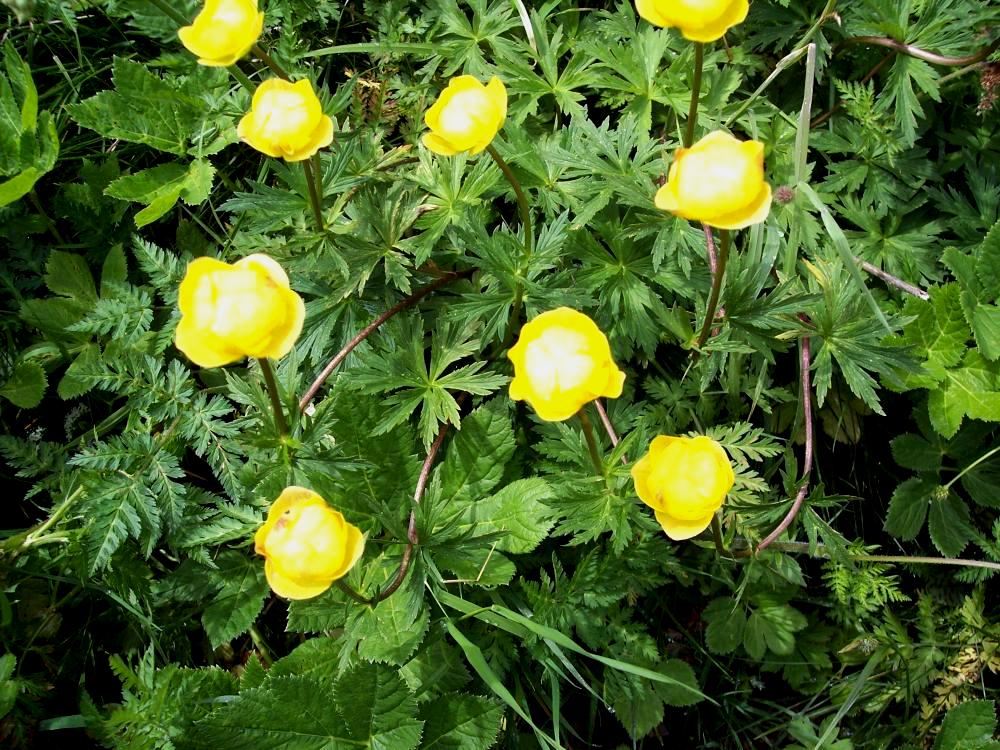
(334, 363)
(805, 362)
(608, 427)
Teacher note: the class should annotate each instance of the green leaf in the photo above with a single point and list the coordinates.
(437, 668)
(391, 630)
(727, 624)
(949, 525)
(986, 329)
(68, 274)
(377, 707)
(144, 108)
(908, 508)
(9, 689)
(968, 726)
(303, 713)
(939, 331)
(78, 378)
(972, 390)
(160, 188)
(685, 692)
(460, 722)
(987, 258)
(318, 658)
(476, 456)
(913, 452)
(26, 385)
(517, 513)
(235, 607)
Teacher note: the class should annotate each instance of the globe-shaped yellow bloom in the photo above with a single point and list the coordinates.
(719, 181)
(307, 545)
(286, 120)
(684, 480)
(698, 20)
(229, 312)
(466, 116)
(223, 32)
(562, 360)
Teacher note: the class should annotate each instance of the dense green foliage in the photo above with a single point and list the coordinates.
(544, 607)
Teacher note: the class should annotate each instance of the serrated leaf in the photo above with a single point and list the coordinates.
(971, 390)
(78, 378)
(913, 452)
(67, 274)
(460, 722)
(475, 458)
(948, 524)
(517, 513)
(968, 726)
(908, 508)
(378, 708)
(235, 607)
(437, 668)
(675, 695)
(726, 625)
(986, 329)
(260, 718)
(26, 385)
(318, 658)
(162, 186)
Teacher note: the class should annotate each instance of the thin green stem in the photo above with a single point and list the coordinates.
(986, 456)
(529, 241)
(720, 545)
(269, 61)
(170, 11)
(272, 392)
(314, 199)
(241, 77)
(713, 298)
(692, 120)
(588, 434)
(821, 551)
(49, 223)
(522, 201)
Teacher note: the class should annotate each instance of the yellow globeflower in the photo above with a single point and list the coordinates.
(466, 116)
(233, 311)
(286, 119)
(562, 361)
(307, 545)
(719, 181)
(223, 32)
(684, 480)
(698, 20)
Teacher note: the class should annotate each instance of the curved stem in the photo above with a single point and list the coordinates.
(314, 199)
(588, 434)
(608, 427)
(917, 52)
(529, 239)
(272, 392)
(985, 457)
(804, 364)
(334, 363)
(821, 551)
(522, 201)
(713, 298)
(269, 61)
(692, 120)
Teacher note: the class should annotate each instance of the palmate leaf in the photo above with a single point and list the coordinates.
(421, 384)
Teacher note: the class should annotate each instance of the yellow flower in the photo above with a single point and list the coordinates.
(684, 480)
(286, 119)
(562, 361)
(698, 20)
(223, 32)
(466, 116)
(233, 311)
(719, 181)
(307, 545)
